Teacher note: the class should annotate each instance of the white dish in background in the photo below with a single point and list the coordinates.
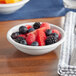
(70, 4)
(35, 50)
(11, 8)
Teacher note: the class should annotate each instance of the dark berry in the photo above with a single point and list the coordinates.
(35, 43)
(54, 34)
(50, 40)
(23, 42)
(19, 39)
(30, 30)
(15, 35)
(36, 25)
(23, 30)
(48, 32)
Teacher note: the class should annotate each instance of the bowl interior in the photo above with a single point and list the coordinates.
(16, 28)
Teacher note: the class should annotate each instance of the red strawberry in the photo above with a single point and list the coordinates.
(41, 37)
(28, 26)
(57, 32)
(43, 29)
(44, 24)
(22, 35)
(30, 38)
(35, 32)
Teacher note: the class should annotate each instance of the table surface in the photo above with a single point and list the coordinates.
(15, 63)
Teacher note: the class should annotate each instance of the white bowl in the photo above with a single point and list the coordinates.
(11, 8)
(35, 50)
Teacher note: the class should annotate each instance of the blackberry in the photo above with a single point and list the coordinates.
(48, 32)
(50, 40)
(23, 30)
(19, 39)
(35, 43)
(36, 25)
(30, 30)
(55, 34)
(23, 42)
(14, 35)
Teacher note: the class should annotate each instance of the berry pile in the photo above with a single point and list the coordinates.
(36, 35)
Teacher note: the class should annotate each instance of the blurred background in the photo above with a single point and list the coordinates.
(38, 9)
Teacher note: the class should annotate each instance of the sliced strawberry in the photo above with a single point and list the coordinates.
(28, 26)
(35, 32)
(30, 38)
(42, 29)
(41, 37)
(22, 35)
(44, 24)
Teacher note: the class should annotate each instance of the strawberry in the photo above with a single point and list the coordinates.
(30, 38)
(41, 37)
(44, 24)
(22, 35)
(28, 26)
(43, 29)
(35, 32)
(57, 32)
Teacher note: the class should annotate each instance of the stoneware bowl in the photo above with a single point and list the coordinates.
(35, 50)
(11, 8)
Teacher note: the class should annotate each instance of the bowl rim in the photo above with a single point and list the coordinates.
(36, 47)
(14, 4)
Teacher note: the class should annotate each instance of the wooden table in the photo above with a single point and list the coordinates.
(16, 63)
